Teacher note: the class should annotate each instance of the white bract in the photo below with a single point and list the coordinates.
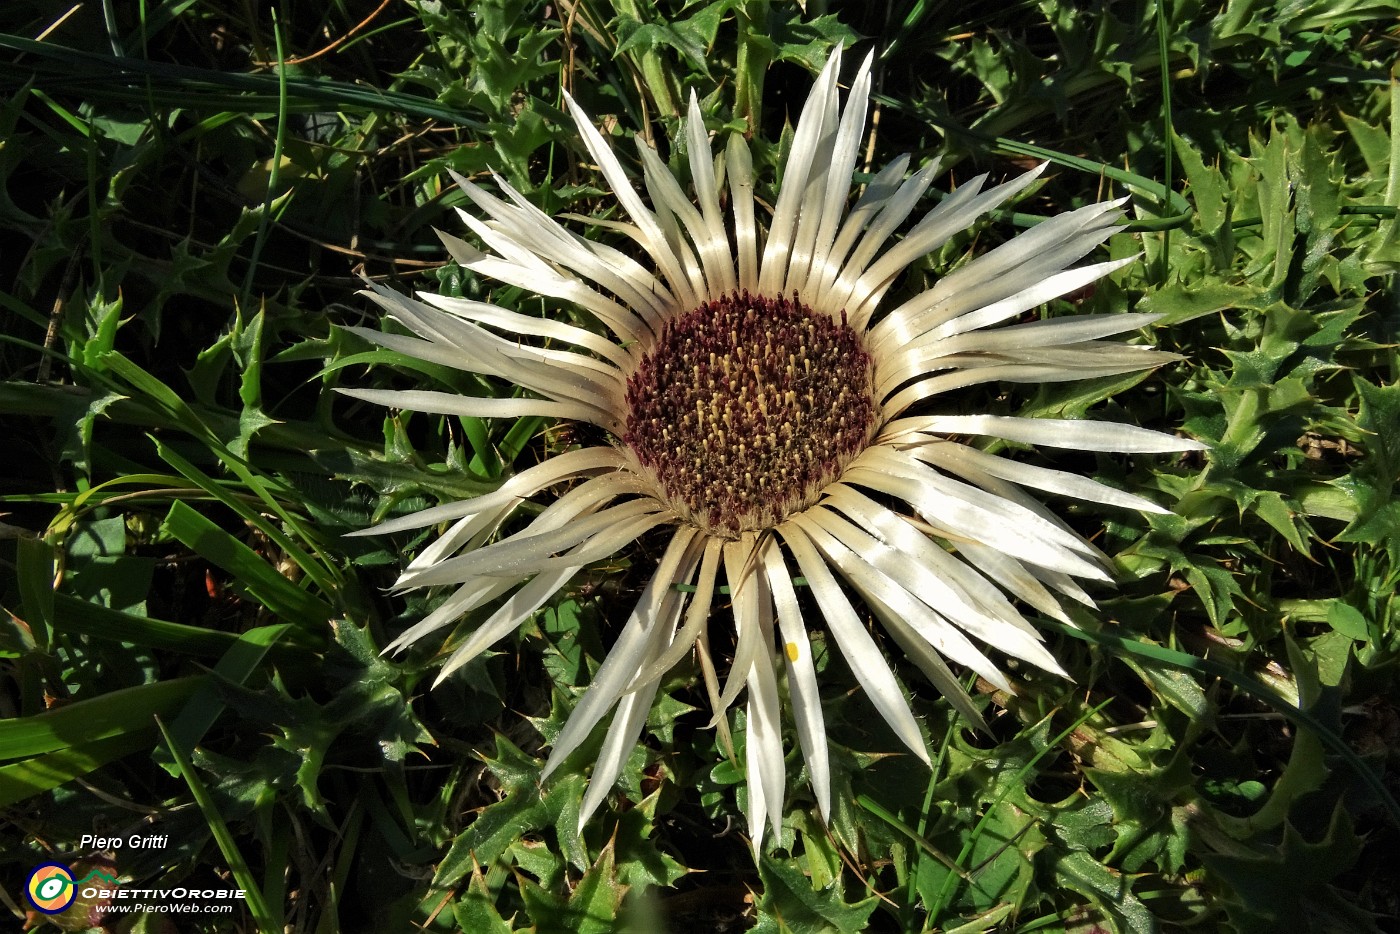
(765, 409)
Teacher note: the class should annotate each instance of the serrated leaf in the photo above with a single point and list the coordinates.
(641, 862)
(1109, 890)
(487, 837)
(1216, 588)
(524, 809)
(1274, 884)
(789, 903)
(594, 904)
(475, 910)
(1372, 485)
(1186, 301)
(1177, 688)
(1207, 187)
(1272, 508)
(250, 421)
(809, 43)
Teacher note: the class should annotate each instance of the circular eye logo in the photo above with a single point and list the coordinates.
(51, 888)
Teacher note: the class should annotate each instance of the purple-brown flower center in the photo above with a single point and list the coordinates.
(747, 407)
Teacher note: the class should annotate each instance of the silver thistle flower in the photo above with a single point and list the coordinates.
(756, 395)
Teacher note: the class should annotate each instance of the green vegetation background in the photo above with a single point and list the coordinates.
(189, 191)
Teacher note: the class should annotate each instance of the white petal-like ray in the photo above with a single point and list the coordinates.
(652, 236)
(893, 211)
(859, 650)
(803, 688)
(709, 278)
(671, 205)
(702, 174)
(872, 201)
(913, 579)
(968, 512)
(625, 730)
(428, 351)
(739, 164)
(957, 589)
(809, 219)
(624, 733)
(739, 565)
(635, 645)
(530, 326)
(870, 580)
(511, 614)
(917, 649)
(527, 483)
(904, 328)
(449, 403)
(446, 512)
(1047, 365)
(543, 280)
(806, 149)
(1004, 343)
(695, 618)
(834, 185)
(764, 746)
(951, 456)
(1011, 493)
(582, 500)
(1064, 584)
(556, 381)
(954, 214)
(1011, 574)
(1078, 434)
(1049, 332)
(484, 351)
(603, 265)
(463, 330)
(1013, 267)
(465, 599)
(602, 533)
(467, 533)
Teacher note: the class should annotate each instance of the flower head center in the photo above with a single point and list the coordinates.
(747, 407)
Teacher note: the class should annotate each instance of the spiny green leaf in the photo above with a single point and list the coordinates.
(595, 901)
(789, 903)
(1110, 891)
(1275, 884)
(475, 909)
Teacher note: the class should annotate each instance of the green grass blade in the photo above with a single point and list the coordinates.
(131, 80)
(278, 143)
(267, 922)
(259, 580)
(947, 889)
(85, 721)
(324, 576)
(22, 780)
(80, 617)
(34, 570)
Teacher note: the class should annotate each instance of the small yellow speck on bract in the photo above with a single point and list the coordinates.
(792, 651)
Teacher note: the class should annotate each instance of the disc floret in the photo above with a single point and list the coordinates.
(747, 407)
